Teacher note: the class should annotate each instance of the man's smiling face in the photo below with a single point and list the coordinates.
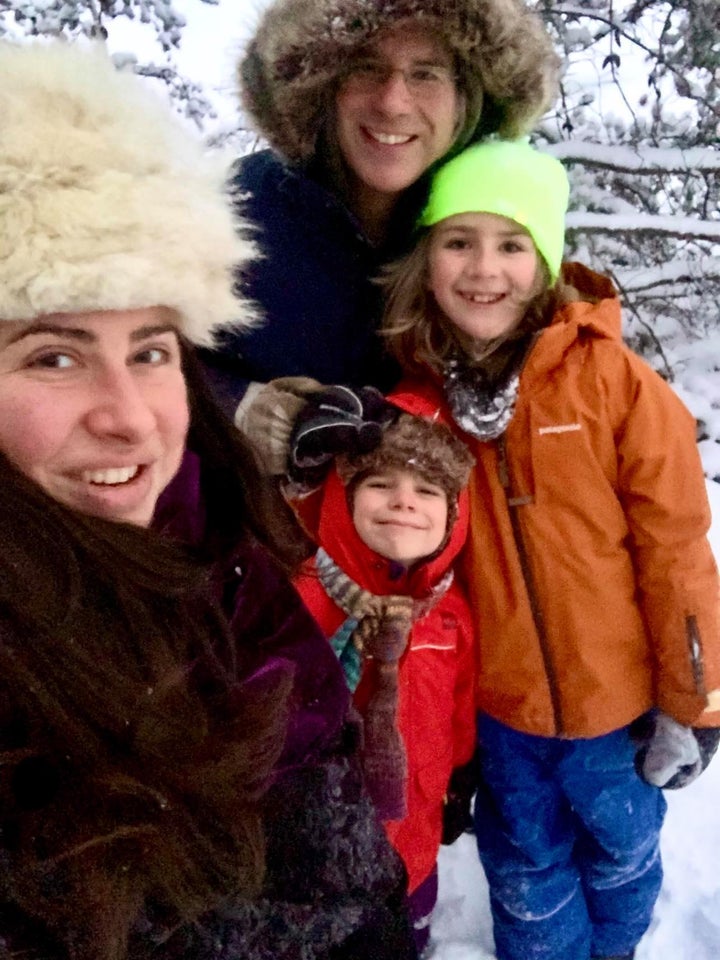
(397, 110)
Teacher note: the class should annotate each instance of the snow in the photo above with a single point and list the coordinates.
(686, 925)
(637, 158)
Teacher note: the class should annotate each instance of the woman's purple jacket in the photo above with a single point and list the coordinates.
(334, 888)
(269, 622)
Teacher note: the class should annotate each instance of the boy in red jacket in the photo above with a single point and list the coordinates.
(390, 525)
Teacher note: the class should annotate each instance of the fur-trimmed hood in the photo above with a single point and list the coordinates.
(508, 67)
(106, 201)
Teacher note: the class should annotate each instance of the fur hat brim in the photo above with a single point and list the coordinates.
(107, 202)
(420, 446)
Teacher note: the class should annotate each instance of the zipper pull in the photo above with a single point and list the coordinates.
(502, 464)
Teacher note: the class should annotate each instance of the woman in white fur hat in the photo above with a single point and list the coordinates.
(177, 776)
(358, 100)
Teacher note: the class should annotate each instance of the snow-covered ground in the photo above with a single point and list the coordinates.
(686, 925)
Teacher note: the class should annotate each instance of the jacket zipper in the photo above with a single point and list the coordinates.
(513, 504)
(695, 650)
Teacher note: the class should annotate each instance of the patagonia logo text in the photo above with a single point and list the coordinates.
(560, 428)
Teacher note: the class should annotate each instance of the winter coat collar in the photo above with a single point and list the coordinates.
(595, 313)
(180, 511)
(304, 188)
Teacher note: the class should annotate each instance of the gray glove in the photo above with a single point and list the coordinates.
(672, 755)
(266, 415)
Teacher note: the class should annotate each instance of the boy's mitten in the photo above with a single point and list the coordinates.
(672, 755)
(457, 813)
(336, 420)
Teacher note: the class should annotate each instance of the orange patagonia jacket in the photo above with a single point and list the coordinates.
(436, 708)
(591, 580)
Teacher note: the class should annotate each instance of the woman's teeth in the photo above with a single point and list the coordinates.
(112, 476)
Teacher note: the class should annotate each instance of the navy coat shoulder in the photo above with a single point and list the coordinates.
(313, 283)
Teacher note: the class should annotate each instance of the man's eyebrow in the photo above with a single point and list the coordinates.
(438, 60)
(428, 60)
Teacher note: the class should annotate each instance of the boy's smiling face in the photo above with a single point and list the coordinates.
(400, 515)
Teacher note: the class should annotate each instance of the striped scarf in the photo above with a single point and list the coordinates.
(377, 631)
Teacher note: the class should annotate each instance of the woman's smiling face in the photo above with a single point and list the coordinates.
(93, 408)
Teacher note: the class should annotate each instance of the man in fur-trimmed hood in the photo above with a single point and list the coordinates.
(507, 68)
(359, 100)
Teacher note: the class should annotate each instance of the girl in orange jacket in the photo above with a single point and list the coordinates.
(591, 580)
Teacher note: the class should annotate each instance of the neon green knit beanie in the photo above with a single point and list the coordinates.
(509, 178)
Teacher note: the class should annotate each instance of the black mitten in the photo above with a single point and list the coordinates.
(457, 813)
(337, 420)
(672, 755)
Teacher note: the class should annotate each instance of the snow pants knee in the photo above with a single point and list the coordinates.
(568, 835)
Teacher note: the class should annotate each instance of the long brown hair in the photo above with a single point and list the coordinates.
(131, 762)
(418, 333)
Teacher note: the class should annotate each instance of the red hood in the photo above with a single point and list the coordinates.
(338, 537)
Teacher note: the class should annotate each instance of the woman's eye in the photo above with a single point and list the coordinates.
(52, 360)
(456, 243)
(154, 356)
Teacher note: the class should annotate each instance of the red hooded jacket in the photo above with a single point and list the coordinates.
(436, 714)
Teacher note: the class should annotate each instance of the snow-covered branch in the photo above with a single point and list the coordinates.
(686, 228)
(668, 278)
(638, 159)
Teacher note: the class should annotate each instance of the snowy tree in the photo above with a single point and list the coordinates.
(96, 19)
(637, 123)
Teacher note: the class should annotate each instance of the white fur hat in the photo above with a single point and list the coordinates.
(107, 202)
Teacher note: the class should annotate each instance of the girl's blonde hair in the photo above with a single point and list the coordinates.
(418, 333)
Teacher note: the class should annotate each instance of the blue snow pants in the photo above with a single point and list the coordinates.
(568, 836)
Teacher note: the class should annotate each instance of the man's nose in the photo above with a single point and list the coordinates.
(393, 93)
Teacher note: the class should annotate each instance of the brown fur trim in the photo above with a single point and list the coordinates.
(414, 443)
(291, 66)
